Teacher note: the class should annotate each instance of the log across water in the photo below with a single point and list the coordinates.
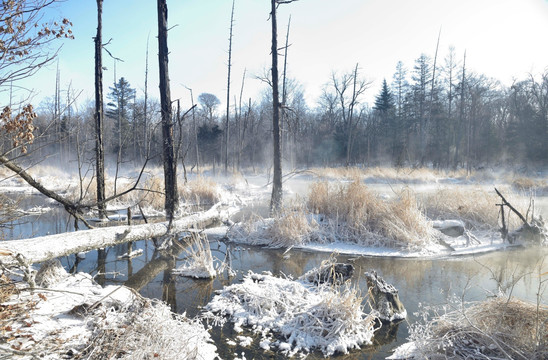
(40, 249)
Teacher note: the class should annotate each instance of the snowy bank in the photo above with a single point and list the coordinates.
(75, 317)
(295, 316)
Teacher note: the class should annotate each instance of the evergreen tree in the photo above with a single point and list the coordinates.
(119, 110)
(388, 124)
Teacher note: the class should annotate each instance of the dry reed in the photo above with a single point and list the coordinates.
(475, 206)
(364, 217)
(200, 191)
(198, 258)
(498, 328)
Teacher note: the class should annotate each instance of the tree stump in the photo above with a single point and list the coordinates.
(384, 298)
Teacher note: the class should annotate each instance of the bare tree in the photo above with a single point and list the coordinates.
(348, 103)
(170, 165)
(99, 114)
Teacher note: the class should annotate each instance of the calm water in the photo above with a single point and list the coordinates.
(429, 282)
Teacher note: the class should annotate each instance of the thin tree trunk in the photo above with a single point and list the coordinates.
(276, 199)
(423, 128)
(227, 129)
(99, 144)
(461, 113)
(240, 137)
(284, 93)
(145, 110)
(170, 166)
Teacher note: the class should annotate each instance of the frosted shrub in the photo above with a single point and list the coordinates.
(330, 319)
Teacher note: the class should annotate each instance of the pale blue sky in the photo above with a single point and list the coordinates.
(504, 39)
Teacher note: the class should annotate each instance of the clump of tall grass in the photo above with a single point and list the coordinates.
(348, 213)
(198, 259)
(475, 206)
(291, 226)
(200, 191)
(366, 218)
(498, 328)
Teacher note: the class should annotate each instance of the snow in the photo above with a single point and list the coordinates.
(404, 351)
(308, 317)
(74, 312)
(131, 255)
(197, 271)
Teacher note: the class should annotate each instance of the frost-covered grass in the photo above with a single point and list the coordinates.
(198, 261)
(294, 316)
(72, 316)
(343, 212)
(497, 328)
(475, 206)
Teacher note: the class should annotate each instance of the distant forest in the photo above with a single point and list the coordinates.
(440, 115)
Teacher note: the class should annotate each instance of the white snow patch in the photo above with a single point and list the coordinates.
(405, 351)
(131, 255)
(245, 340)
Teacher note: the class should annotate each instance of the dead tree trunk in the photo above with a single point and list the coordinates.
(227, 124)
(170, 166)
(276, 199)
(99, 144)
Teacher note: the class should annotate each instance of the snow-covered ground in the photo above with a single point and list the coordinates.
(70, 315)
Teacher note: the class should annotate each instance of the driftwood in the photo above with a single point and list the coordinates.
(40, 249)
(533, 230)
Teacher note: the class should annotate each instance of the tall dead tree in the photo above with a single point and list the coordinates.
(228, 88)
(99, 115)
(276, 199)
(170, 165)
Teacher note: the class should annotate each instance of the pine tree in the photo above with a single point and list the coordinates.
(120, 111)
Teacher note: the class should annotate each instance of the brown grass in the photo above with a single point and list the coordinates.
(527, 184)
(200, 191)
(493, 329)
(290, 228)
(476, 206)
(364, 213)
(398, 174)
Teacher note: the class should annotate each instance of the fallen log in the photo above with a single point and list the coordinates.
(40, 249)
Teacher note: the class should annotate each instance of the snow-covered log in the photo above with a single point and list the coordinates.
(40, 249)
